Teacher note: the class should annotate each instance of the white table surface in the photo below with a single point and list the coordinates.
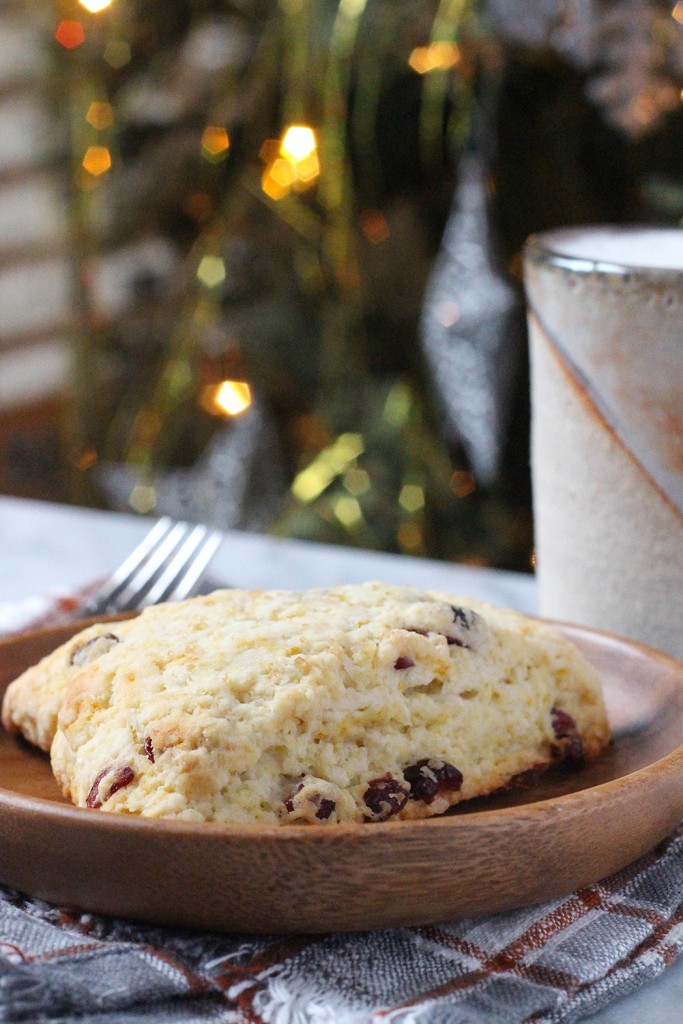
(47, 548)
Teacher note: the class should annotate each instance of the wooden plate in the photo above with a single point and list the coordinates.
(491, 855)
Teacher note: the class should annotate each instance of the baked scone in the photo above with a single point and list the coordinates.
(349, 704)
(32, 702)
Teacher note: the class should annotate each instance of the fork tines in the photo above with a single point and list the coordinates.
(165, 566)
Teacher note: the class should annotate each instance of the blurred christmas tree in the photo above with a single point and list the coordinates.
(276, 329)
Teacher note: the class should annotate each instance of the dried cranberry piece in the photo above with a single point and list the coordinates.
(121, 777)
(464, 619)
(289, 802)
(148, 748)
(93, 797)
(568, 750)
(462, 616)
(403, 662)
(431, 776)
(81, 654)
(468, 628)
(562, 723)
(324, 806)
(325, 809)
(385, 797)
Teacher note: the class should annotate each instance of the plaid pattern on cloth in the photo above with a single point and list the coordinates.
(555, 963)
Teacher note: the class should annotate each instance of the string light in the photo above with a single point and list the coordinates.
(215, 142)
(398, 404)
(86, 460)
(463, 483)
(438, 56)
(100, 115)
(411, 498)
(291, 163)
(143, 498)
(272, 186)
(117, 53)
(70, 34)
(97, 160)
(211, 271)
(357, 481)
(298, 142)
(306, 171)
(229, 398)
(282, 173)
(95, 6)
(410, 537)
(374, 226)
(333, 461)
(348, 511)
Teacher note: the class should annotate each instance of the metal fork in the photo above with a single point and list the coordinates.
(166, 565)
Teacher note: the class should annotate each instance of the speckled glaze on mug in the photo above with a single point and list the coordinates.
(605, 309)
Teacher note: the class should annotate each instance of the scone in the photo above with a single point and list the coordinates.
(350, 704)
(32, 702)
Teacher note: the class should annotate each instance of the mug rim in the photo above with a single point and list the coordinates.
(545, 247)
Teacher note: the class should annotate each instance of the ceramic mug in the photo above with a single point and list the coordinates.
(605, 313)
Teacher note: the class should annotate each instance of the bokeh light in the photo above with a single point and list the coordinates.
(438, 56)
(374, 226)
(70, 34)
(117, 53)
(291, 163)
(211, 271)
(228, 398)
(97, 160)
(95, 6)
(100, 115)
(215, 142)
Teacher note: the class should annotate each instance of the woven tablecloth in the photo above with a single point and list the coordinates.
(557, 962)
